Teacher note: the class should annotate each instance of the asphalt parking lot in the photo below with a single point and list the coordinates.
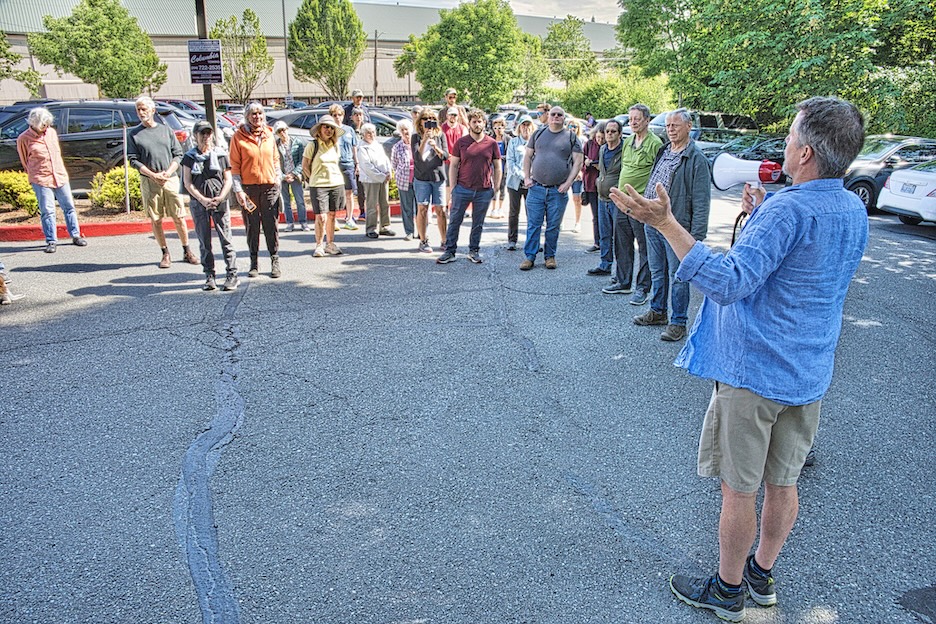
(378, 439)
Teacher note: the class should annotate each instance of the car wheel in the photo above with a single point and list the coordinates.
(865, 193)
(910, 220)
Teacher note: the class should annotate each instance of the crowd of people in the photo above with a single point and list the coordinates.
(766, 331)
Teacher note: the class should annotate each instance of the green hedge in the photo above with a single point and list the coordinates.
(107, 190)
(16, 191)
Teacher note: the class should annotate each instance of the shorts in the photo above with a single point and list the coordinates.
(747, 439)
(350, 182)
(428, 192)
(577, 187)
(161, 201)
(326, 199)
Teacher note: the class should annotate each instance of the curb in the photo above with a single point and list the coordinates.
(24, 233)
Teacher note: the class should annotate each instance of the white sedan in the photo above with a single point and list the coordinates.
(911, 194)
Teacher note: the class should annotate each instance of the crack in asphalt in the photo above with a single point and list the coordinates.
(192, 512)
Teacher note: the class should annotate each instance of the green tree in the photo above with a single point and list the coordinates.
(29, 78)
(326, 43)
(408, 60)
(101, 43)
(244, 56)
(476, 48)
(609, 96)
(534, 71)
(569, 51)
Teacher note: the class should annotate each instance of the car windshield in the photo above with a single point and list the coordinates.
(742, 142)
(875, 149)
(928, 167)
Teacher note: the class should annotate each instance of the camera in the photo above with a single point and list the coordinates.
(429, 124)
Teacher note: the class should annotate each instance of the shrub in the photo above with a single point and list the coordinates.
(393, 192)
(611, 95)
(107, 190)
(16, 191)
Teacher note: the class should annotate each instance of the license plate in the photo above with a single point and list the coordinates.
(909, 189)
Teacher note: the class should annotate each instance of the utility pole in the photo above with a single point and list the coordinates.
(289, 96)
(374, 103)
(201, 22)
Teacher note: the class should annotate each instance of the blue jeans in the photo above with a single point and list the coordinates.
(479, 200)
(606, 210)
(543, 202)
(297, 193)
(663, 265)
(46, 197)
(408, 210)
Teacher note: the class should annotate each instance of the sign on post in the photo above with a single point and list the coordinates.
(205, 61)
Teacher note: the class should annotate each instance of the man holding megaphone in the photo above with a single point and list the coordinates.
(766, 334)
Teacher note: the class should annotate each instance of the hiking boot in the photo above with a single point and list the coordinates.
(319, 252)
(616, 288)
(551, 263)
(275, 271)
(760, 586)
(190, 257)
(231, 282)
(475, 257)
(166, 261)
(651, 317)
(526, 265)
(706, 593)
(673, 333)
(210, 283)
(445, 258)
(332, 249)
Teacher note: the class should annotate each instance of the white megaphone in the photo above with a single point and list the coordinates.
(728, 171)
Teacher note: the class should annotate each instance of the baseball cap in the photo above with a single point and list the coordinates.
(201, 126)
(357, 93)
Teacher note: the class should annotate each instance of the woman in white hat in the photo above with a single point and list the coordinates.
(326, 184)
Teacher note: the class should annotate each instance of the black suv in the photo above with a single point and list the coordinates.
(91, 133)
(881, 155)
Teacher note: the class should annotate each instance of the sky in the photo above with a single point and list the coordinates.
(602, 10)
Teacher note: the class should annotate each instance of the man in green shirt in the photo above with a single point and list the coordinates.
(638, 154)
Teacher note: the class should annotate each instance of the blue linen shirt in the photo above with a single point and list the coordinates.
(772, 312)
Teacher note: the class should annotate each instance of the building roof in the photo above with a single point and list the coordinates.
(392, 22)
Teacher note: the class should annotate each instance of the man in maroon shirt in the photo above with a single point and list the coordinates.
(475, 171)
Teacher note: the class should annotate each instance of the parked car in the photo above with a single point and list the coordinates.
(90, 134)
(881, 155)
(708, 129)
(189, 106)
(751, 147)
(299, 122)
(911, 194)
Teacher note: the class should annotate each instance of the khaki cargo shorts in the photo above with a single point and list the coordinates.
(747, 439)
(161, 201)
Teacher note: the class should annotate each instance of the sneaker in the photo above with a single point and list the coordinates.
(651, 317)
(408, 237)
(371, 235)
(759, 586)
(275, 270)
(640, 297)
(332, 249)
(254, 271)
(387, 232)
(673, 333)
(616, 288)
(705, 593)
(166, 261)
(598, 271)
(810, 457)
(576, 228)
(231, 282)
(425, 247)
(512, 246)
(551, 263)
(475, 257)
(319, 252)
(526, 265)
(304, 227)
(445, 258)
(79, 241)
(290, 227)
(349, 225)
(50, 247)
(210, 283)
(7, 297)
(593, 249)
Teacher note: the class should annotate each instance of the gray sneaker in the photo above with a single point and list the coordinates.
(759, 586)
(673, 333)
(231, 282)
(475, 257)
(639, 297)
(616, 289)
(445, 258)
(210, 283)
